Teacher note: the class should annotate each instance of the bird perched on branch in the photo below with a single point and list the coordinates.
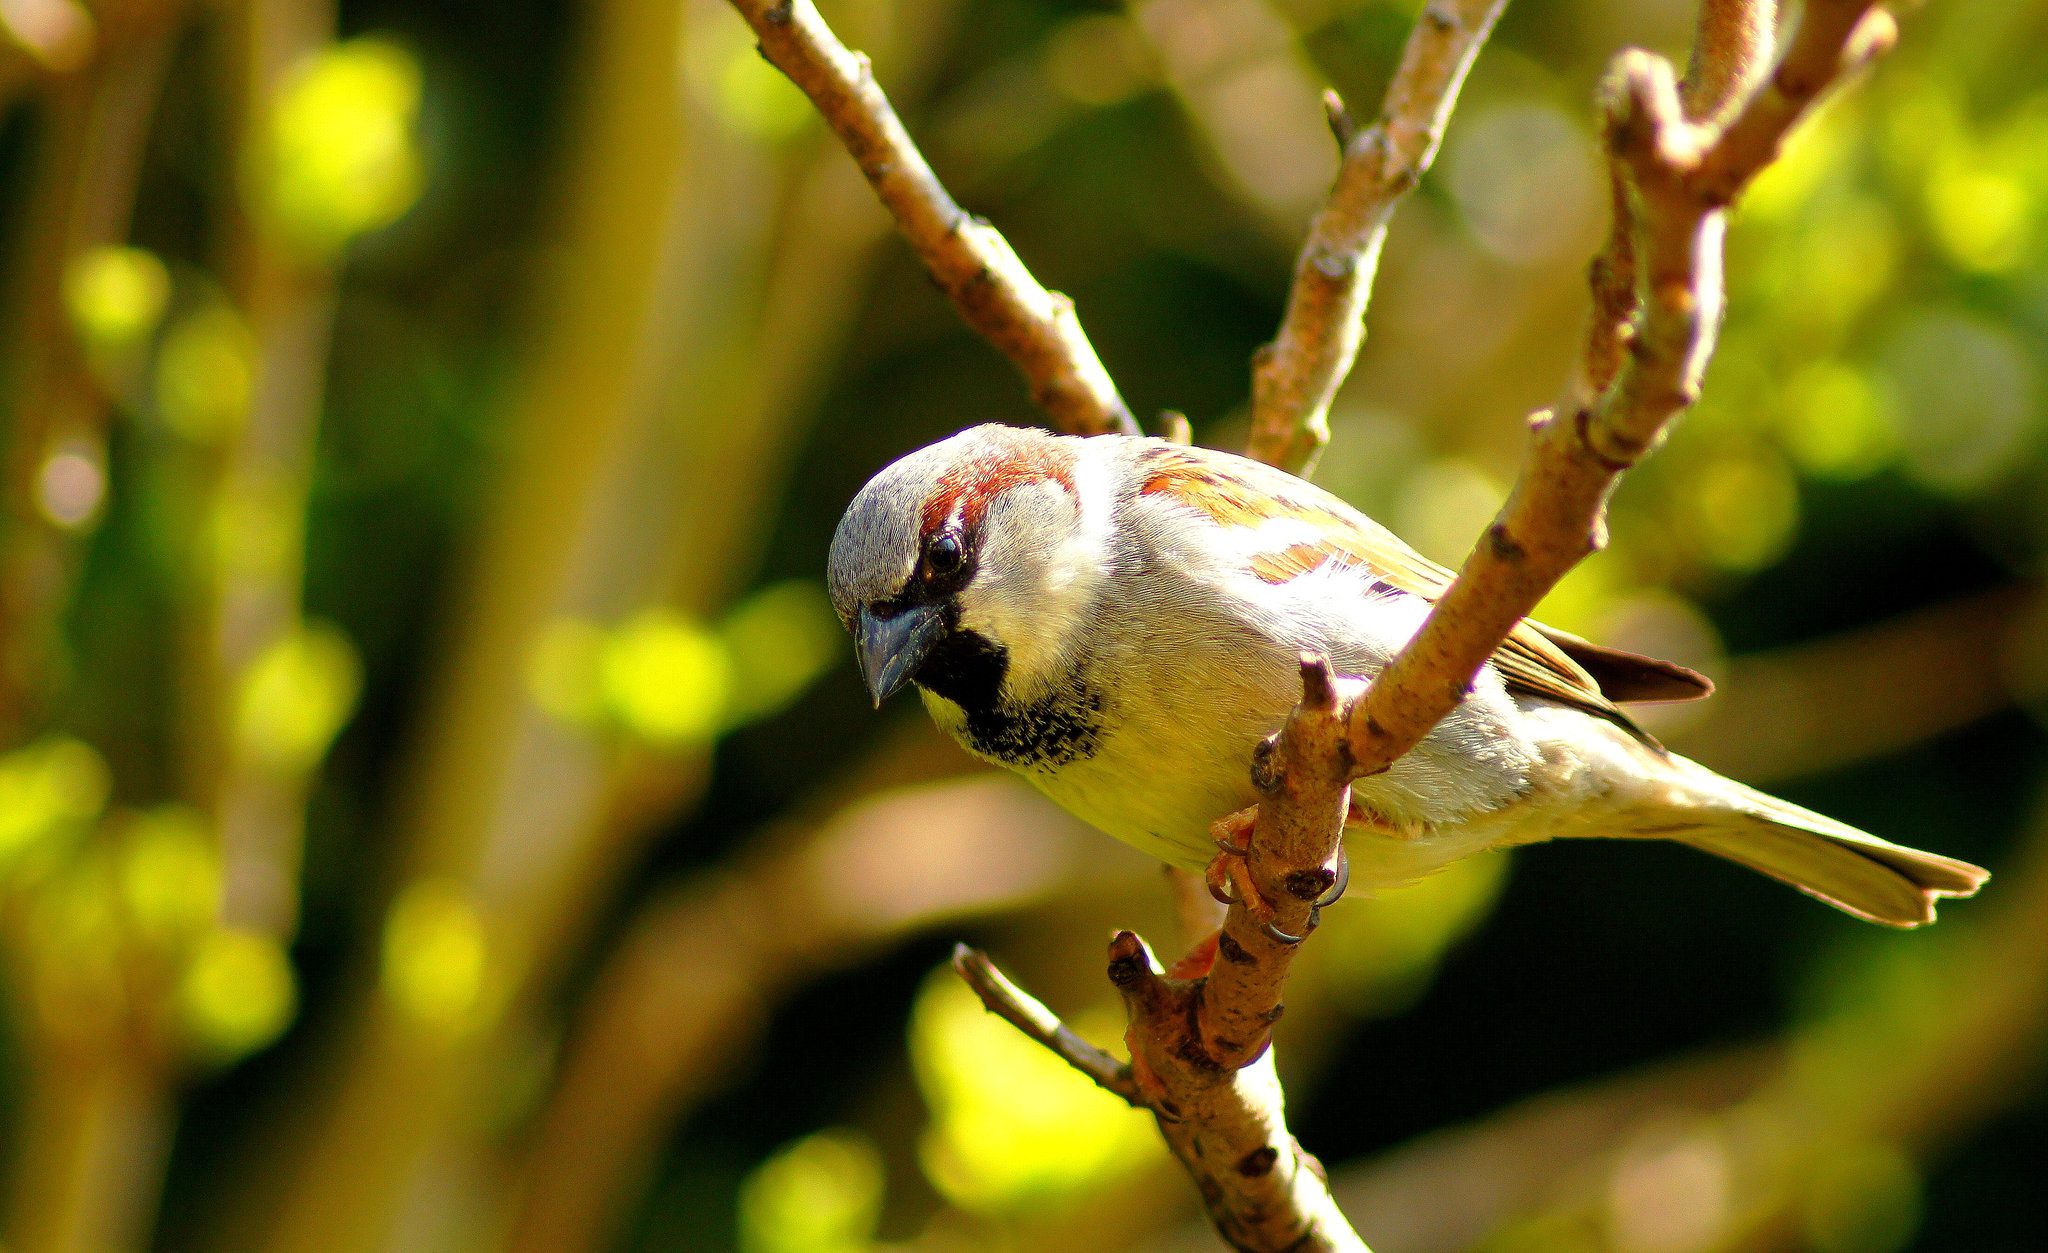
(1121, 621)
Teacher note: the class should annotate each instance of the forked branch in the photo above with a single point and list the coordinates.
(1201, 1056)
(974, 265)
(1677, 178)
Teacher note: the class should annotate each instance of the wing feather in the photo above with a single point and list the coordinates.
(1237, 492)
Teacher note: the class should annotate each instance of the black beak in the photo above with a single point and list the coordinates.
(891, 649)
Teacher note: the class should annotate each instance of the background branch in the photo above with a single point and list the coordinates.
(972, 262)
(1295, 377)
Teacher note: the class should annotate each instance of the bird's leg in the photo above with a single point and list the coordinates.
(1228, 876)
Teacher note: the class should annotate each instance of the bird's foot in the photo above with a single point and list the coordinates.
(1230, 881)
(1229, 876)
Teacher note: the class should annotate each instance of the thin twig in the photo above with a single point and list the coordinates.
(1295, 377)
(975, 266)
(1029, 1015)
(1679, 177)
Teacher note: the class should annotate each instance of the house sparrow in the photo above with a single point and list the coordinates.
(1121, 621)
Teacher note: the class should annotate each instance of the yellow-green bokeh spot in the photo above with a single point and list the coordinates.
(1582, 598)
(435, 953)
(1813, 153)
(343, 158)
(238, 993)
(169, 873)
(52, 786)
(822, 1194)
(71, 928)
(758, 100)
(665, 679)
(1978, 210)
(1743, 507)
(1841, 262)
(296, 695)
(115, 297)
(259, 525)
(1446, 505)
(205, 374)
(1013, 1126)
(779, 641)
(1837, 422)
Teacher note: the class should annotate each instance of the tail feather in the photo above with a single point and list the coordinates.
(1849, 869)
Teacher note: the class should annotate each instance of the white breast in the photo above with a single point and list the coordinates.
(1206, 663)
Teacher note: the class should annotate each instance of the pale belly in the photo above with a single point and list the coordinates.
(1162, 769)
(1169, 814)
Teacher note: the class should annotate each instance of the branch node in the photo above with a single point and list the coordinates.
(1318, 683)
(1310, 884)
(1342, 125)
(1266, 771)
(1131, 964)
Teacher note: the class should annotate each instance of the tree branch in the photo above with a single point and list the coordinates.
(1200, 1049)
(1678, 178)
(1295, 377)
(973, 264)
(1029, 1015)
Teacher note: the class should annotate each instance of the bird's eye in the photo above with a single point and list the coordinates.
(942, 556)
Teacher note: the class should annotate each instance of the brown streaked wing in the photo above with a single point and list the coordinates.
(1235, 491)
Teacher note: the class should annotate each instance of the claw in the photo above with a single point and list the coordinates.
(1336, 892)
(1228, 878)
(1278, 936)
(1315, 911)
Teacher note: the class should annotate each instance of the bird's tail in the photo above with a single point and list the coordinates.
(1849, 869)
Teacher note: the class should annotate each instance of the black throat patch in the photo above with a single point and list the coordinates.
(1063, 727)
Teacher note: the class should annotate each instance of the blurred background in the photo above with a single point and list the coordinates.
(437, 811)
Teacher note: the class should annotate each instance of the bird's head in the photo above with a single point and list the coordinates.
(970, 566)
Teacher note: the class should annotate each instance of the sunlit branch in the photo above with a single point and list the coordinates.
(1029, 1015)
(1679, 177)
(1295, 377)
(1201, 1055)
(972, 262)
